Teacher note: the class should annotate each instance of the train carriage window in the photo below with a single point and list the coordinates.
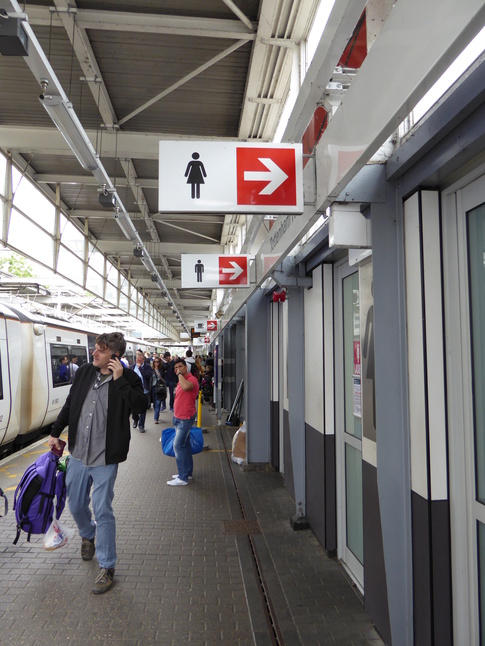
(77, 358)
(1, 379)
(60, 365)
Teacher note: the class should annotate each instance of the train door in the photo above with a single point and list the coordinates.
(464, 256)
(348, 418)
(10, 349)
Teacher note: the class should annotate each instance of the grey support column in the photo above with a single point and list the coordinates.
(257, 382)
(393, 459)
(240, 351)
(296, 399)
(229, 364)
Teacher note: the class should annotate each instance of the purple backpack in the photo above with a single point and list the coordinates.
(34, 497)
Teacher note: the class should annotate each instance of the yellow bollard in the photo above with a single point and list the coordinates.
(199, 410)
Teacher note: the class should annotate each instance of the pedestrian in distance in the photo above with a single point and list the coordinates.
(169, 376)
(183, 419)
(156, 382)
(97, 411)
(144, 372)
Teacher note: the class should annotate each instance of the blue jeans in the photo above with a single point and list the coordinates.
(171, 389)
(79, 480)
(181, 447)
(156, 412)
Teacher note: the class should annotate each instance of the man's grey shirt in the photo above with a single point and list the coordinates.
(91, 430)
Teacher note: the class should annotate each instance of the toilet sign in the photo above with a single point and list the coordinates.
(212, 271)
(230, 177)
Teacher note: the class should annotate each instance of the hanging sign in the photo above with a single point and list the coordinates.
(230, 177)
(212, 271)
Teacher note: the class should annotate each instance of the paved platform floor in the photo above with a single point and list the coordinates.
(215, 562)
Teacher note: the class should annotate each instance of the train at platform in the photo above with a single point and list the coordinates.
(37, 355)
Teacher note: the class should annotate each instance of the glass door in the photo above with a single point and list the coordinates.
(464, 238)
(475, 224)
(349, 423)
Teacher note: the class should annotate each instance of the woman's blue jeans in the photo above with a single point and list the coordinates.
(79, 480)
(182, 448)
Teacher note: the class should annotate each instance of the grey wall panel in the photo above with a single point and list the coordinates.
(330, 495)
(315, 481)
(421, 572)
(288, 465)
(275, 433)
(442, 586)
(393, 460)
(257, 386)
(375, 573)
(432, 572)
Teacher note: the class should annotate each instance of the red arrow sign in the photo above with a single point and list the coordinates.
(266, 176)
(233, 270)
(211, 326)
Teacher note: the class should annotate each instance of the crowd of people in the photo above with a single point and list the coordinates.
(160, 381)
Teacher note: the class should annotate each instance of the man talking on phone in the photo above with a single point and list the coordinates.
(97, 411)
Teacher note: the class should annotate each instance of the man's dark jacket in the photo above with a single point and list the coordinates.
(125, 396)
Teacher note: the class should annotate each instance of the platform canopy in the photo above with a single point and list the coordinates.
(137, 73)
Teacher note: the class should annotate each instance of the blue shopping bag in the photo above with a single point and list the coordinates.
(196, 440)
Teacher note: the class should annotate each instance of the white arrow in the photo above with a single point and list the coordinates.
(274, 176)
(236, 270)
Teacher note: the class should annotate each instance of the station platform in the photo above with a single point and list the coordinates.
(215, 562)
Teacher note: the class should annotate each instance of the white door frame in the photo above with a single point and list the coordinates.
(350, 562)
(464, 511)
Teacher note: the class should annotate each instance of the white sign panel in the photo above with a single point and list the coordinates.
(212, 271)
(230, 177)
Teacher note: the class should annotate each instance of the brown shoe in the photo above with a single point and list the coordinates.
(104, 580)
(87, 549)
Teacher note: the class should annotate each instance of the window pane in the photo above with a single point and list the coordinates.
(35, 204)
(94, 283)
(71, 237)
(60, 365)
(123, 302)
(96, 259)
(476, 260)
(111, 273)
(77, 358)
(70, 266)
(352, 376)
(481, 579)
(1, 380)
(353, 488)
(30, 240)
(111, 293)
(3, 173)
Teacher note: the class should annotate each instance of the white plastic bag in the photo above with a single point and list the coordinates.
(239, 445)
(57, 535)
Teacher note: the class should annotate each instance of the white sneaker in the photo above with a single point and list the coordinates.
(177, 482)
(176, 475)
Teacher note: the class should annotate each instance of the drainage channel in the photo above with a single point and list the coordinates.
(248, 528)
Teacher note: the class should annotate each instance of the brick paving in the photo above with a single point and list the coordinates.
(181, 577)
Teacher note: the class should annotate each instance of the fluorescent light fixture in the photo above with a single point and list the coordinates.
(126, 226)
(62, 114)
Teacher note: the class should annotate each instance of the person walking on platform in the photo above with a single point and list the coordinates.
(169, 377)
(97, 410)
(144, 372)
(183, 418)
(158, 379)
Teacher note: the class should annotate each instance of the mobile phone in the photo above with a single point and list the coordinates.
(60, 451)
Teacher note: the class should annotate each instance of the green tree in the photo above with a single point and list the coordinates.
(17, 266)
